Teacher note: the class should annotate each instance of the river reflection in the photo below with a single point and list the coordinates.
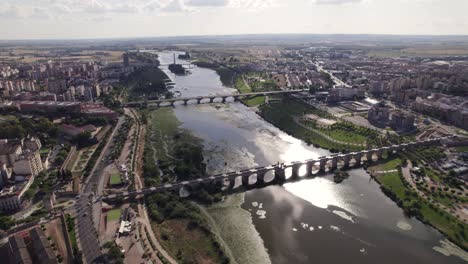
(311, 221)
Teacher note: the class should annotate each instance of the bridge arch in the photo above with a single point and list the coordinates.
(315, 168)
(303, 170)
(269, 176)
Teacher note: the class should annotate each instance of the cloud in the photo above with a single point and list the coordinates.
(208, 3)
(91, 9)
(175, 6)
(12, 11)
(336, 2)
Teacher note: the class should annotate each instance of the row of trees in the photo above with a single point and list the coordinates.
(23, 126)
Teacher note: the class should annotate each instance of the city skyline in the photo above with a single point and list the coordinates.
(71, 19)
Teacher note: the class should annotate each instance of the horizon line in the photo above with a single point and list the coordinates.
(228, 35)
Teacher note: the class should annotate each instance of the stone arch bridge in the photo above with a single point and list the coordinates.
(223, 98)
(257, 177)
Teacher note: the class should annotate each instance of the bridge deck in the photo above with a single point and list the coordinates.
(262, 169)
(213, 96)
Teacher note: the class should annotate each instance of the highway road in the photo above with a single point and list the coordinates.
(88, 211)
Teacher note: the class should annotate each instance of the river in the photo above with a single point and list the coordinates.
(310, 221)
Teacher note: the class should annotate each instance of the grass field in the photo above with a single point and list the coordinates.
(388, 165)
(344, 136)
(255, 101)
(281, 114)
(243, 88)
(113, 215)
(186, 242)
(393, 182)
(115, 179)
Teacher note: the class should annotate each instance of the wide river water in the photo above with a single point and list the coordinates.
(310, 221)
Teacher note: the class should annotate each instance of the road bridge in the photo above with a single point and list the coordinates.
(256, 177)
(222, 98)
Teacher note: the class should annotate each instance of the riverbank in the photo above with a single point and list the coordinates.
(231, 78)
(179, 225)
(281, 114)
(370, 232)
(146, 83)
(394, 185)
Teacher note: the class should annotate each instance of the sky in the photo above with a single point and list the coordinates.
(65, 19)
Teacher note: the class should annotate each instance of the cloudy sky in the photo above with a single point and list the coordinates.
(52, 19)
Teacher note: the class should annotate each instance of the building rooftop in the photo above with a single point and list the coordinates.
(19, 250)
(8, 146)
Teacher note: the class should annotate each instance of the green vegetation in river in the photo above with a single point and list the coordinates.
(171, 154)
(233, 225)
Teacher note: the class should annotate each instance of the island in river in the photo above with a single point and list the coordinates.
(177, 68)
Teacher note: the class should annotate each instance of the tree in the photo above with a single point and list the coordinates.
(452, 173)
(83, 139)
(6, 222)
(114, 254)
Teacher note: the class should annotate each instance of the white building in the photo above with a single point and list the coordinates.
(22, 155)
(11, 197)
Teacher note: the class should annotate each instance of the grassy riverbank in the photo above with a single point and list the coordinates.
(179, 225)
(392, 183)
(226, 75)
(231, 78)
(398, 189)
(284, 114)
(242, 87)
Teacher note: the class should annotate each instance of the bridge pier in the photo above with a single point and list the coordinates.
(358, 158)
(236, 98)
(379, 154)
(224, 99)
(334, 163)
(369, 154)
(309, 167)
(346, 159)
(295, 170)
(232, 183)
(172, 103)
(186, 101)
(261, 177)
(212, 99)
(279, 174)
(245, 179)
(199, 101)
(323, 164)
